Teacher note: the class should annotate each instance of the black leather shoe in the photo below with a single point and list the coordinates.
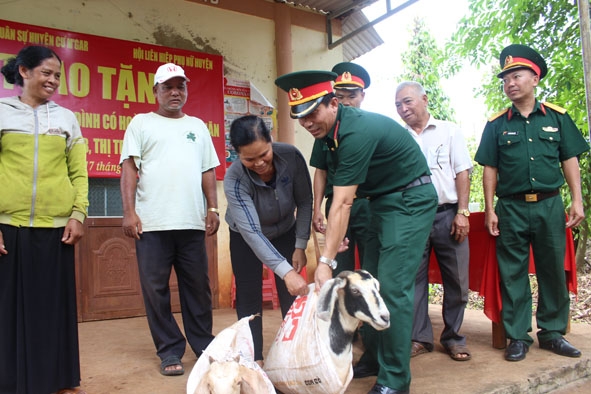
(381, 389)
(363, 370)
(561, 347)
(516, 350)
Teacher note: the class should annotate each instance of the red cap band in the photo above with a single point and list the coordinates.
(512, 62)
(347, 78)
(309, 93)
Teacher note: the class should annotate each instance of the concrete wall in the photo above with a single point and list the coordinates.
(246, 42)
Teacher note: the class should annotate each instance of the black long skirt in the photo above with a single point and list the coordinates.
(38, 328)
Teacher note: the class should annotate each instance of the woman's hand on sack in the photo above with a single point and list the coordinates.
(295, 283)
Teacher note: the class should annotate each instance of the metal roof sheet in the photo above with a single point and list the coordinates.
(351, 16)
(359, 36)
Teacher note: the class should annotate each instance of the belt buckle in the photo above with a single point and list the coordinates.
(531, 197)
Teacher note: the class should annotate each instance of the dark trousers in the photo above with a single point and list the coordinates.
(248, 273)
(38, 325)
(540, 225)
(157, 253)
(454, 261)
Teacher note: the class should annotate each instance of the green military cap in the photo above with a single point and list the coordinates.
(351, 76)
(305, 90)
(518, 56)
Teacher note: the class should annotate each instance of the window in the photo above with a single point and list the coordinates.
(104, 196)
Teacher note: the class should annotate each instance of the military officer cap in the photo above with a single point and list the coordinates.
(305, 90)
(351, 76)
(518, 56)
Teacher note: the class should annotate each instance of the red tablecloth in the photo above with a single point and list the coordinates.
(484, 270)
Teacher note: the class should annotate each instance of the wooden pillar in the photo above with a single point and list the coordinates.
(286, 130)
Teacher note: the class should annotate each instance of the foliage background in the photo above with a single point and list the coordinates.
(550, 27)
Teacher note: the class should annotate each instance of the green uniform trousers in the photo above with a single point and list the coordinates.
(401, 223)
(541, 225)
(357, 233)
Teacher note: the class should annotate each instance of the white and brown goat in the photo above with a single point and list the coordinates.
(313, 350)
(343, 302)
(232, 377)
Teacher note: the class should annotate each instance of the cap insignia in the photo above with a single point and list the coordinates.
(295, 94)
(346, 77)
(508, 60)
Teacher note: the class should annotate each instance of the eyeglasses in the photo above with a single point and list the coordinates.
(439, 151)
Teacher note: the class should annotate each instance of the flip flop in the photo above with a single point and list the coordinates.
(169, 362)
(455, 351)
(417, 349)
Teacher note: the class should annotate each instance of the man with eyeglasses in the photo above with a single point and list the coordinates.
(444, 147)
(523, 149)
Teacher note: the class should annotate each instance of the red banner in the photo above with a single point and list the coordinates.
(105, 82)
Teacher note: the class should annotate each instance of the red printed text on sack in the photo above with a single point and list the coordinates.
(292, 318)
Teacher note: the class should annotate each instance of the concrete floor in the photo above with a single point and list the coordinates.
(118, 356)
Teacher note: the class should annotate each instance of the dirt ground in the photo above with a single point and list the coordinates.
(118, 356)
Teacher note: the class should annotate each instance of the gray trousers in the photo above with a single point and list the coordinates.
(453, 259)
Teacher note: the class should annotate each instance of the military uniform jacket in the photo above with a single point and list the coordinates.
(321, 158)
(374, 152)
(527, 152)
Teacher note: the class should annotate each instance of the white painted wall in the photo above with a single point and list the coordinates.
(247, 44)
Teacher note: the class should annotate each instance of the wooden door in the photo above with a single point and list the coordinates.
(107, 277)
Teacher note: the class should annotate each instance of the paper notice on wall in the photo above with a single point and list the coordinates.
(243, 98)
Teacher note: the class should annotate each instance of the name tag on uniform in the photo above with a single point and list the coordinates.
(550, 129)
(510, 132)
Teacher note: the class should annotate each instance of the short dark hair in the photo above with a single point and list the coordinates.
(247, 129)
(28, 57)
(326, 99)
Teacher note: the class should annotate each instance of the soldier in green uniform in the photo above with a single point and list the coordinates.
(349, 88)
(522, 150)
(374, 158)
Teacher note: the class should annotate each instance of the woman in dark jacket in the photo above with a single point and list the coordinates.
(269, 196)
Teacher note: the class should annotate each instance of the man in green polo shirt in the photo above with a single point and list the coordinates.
(375, 158)
(523, 149)
(349, 88)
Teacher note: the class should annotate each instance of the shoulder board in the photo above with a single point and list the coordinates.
(555, 107)
(498, 114)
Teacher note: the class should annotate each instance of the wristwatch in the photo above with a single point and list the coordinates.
(464, 212)
(332, 263)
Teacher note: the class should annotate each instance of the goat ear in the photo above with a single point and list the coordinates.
(328, 296)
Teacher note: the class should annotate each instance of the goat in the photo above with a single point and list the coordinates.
(227, 365)
(298, 360)
(231, 376)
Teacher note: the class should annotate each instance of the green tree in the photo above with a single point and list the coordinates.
(552, 28)
(424, 63)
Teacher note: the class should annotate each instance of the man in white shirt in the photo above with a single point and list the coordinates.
(168, 211)
(447, 155)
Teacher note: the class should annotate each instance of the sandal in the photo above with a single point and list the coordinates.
(76, 390)
(456, 352)
(417, 349)
(171, 361)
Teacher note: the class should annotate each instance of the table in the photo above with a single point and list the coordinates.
(484, 272)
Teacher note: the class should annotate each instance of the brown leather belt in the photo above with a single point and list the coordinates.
(533, 197)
